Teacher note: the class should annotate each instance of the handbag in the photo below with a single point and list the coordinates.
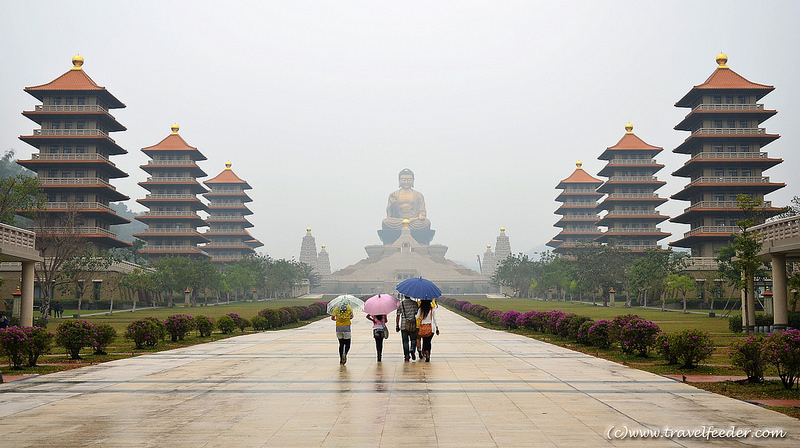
(425, 330)
(410, 326)
(385, 332)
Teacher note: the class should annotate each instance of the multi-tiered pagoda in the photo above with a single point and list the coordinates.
(73, 163)
(726, 158)
(631, 199)
(578, 211)
(172, 219)
(228, 235)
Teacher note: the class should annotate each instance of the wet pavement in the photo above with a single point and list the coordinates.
(286, 388)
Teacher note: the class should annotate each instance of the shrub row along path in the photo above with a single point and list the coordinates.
(285, 388)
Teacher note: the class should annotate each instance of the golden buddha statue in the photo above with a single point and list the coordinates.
(406, 204)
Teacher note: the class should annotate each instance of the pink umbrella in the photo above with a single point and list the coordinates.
(381, 304)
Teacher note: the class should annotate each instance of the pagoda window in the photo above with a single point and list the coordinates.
(52, 173)
(717, 148)
(81, 124)
(719, 197)
(746, 172)
(729, 99)
(69, 100)
(80, 197)
(731, 148)
(731, 123)
(55, 125)
(68, 125)
(80, 174)
(733, 172)
(732, 197)
(717, 123)
(719, 172)
(54, 149)
(719, 222)
(742, 99)
(81, 100)
(67, 150)
(56, 101)
(66, 173)
(717, 99)
(744, 124)
(744, 147)
(80, 149)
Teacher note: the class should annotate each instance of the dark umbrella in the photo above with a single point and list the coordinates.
(419, 288)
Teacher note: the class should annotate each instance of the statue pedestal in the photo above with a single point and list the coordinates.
(422, 236)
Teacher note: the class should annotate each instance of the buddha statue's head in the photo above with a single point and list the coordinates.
(406, 178)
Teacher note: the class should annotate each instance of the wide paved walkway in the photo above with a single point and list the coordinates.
(482, 388)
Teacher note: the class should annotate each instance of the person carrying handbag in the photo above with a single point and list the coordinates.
(427, 327)
(379, 331)
(406, 324)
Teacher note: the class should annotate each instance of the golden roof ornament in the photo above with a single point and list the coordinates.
(628, 128)
(77, 62)
(323, 246)
(488, 246)
(722, 60)
(228, 165)
(175, 128)
(502, 230)
(308, 229)
(579, 165)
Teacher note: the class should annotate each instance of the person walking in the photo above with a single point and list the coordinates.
(379, 331)
(427, 327)
(406, 324)
(343, 316)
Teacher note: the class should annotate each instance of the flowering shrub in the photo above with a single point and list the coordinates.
(599, 333)
(146, 332)
(74, 335)
(618, 322)
(494, 317)
(13, 341)
(574, 326)
(782, 350)
(226, 324)
(563, 323)
(286, 316)
(583, 332)
(636, 334)
(38, 343)
(550, 321)
(272, 316)
(748, 354)
(509, 319)
(665, 346)
(242, 324)
(178, 326)
(102, 336)
(293, 316)
(691, 347)
(236, 319)
(259, 323)
(204, 324)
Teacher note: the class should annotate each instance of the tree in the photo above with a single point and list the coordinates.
(144, 283)
(517, 272)
(245, 274)
(648, 274)
(599, 268)
(281, 276)
(678, 284)
(174, 274)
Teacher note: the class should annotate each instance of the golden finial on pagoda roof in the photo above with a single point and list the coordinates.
(502, 230)
(77, 62)
(228, 165)
(488, 246)
(323, 247)
(722, 60)
(579, 165)
(628, 128)
(308, 229)
(175, 128)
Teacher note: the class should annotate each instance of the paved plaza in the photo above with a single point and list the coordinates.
(482, 388)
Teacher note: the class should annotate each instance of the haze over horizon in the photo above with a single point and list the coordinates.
(319, 105)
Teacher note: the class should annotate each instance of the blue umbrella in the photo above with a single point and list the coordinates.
(419, 288)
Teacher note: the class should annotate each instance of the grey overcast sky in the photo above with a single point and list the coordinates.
(319, 104)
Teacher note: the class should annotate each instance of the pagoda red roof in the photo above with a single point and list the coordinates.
(227, 176)
(580, 176)
(631, 141)
(75, 80)
(173, 142)
(724, 78)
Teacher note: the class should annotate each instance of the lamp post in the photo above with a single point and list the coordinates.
(17, 306)
(611, 293)
(768, 305)
(186, 295)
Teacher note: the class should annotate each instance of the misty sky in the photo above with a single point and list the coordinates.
(319, 104)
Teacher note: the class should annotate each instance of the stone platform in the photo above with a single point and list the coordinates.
(482, 388)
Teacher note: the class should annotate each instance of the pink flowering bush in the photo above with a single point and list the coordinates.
(494, 317)
(74, 335)
(599, 333)
(102, 335)
(748, 354)
(178, 326)
(573, 328)
(692, 347)
(22, 344)
(782, 350)
(550, 324)
(665, 346)
(509, 319)
(204, 325)
(583, 332)
(635, 334)
(146, 332)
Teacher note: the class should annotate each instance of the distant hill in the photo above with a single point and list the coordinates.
(125, 231)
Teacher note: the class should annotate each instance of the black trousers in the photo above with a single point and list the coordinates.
(344, 346)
